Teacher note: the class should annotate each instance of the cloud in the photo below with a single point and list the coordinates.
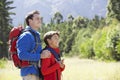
(102, 12)
(56, 6)
(94, 4)
(29, 3)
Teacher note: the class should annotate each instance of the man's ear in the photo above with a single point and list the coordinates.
(30, 20)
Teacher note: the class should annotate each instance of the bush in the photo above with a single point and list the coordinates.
(107, 43)
(86, 49)
(99, 43)
(3, 61)
(114, 42)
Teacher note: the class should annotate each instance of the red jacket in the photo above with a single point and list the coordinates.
(50, 68)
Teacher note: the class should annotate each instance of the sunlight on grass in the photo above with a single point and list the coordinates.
(76, 69)
(10, 72)
(90, 70)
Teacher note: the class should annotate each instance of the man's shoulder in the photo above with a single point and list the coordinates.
(25, 35)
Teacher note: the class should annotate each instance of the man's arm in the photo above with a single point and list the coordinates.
(45, 54)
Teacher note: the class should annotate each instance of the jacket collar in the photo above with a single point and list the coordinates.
(30, 28)
(56, 49)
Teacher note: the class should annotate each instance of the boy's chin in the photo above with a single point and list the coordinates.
(56, 46)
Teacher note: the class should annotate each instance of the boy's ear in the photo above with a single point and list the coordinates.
(48, 40)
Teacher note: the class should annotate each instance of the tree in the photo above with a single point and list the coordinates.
(70, 19)
(113, 9)
(80, 22)
(96, 21)
(58, 17)
(5, 25)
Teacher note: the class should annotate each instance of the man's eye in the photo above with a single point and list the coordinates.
(38, 18)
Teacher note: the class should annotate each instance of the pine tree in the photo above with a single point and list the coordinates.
(5, 25)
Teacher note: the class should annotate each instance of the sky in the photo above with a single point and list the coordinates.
(47, 8)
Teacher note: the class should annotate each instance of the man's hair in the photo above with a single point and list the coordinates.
(30, 16)
(48, 35)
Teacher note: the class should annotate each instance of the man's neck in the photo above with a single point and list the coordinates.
(36, 29)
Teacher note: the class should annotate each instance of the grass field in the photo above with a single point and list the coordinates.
(76, 69)
(83, 69)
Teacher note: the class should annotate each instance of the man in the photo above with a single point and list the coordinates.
(26, 44)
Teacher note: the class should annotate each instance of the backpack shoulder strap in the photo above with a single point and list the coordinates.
(35, 37)
(56, 55)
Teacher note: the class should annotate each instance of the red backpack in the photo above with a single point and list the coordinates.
(13, 37)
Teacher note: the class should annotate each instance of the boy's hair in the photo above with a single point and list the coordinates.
(48, 35)
(30, 16)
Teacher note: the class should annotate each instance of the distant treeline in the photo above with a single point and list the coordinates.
(97, 38)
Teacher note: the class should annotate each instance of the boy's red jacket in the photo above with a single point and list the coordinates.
(50, 68)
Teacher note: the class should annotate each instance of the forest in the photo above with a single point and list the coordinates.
(97, 38)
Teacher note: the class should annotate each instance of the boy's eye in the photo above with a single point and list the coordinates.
(55, 38)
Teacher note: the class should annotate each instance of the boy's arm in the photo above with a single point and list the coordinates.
(46, 68)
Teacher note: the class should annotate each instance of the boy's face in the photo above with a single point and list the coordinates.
(54, 41)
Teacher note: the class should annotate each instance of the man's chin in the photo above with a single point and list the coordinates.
(38, 27)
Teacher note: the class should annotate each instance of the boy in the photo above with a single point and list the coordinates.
(51, 68)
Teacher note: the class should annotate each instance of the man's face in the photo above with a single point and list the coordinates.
(35, 21)
(54, 41)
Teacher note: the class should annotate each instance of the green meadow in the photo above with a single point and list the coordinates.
(76, 69)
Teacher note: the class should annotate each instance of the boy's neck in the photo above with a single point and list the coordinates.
(52, 46)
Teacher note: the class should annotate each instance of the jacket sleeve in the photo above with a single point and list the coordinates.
(24, 44)
(46, 68)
